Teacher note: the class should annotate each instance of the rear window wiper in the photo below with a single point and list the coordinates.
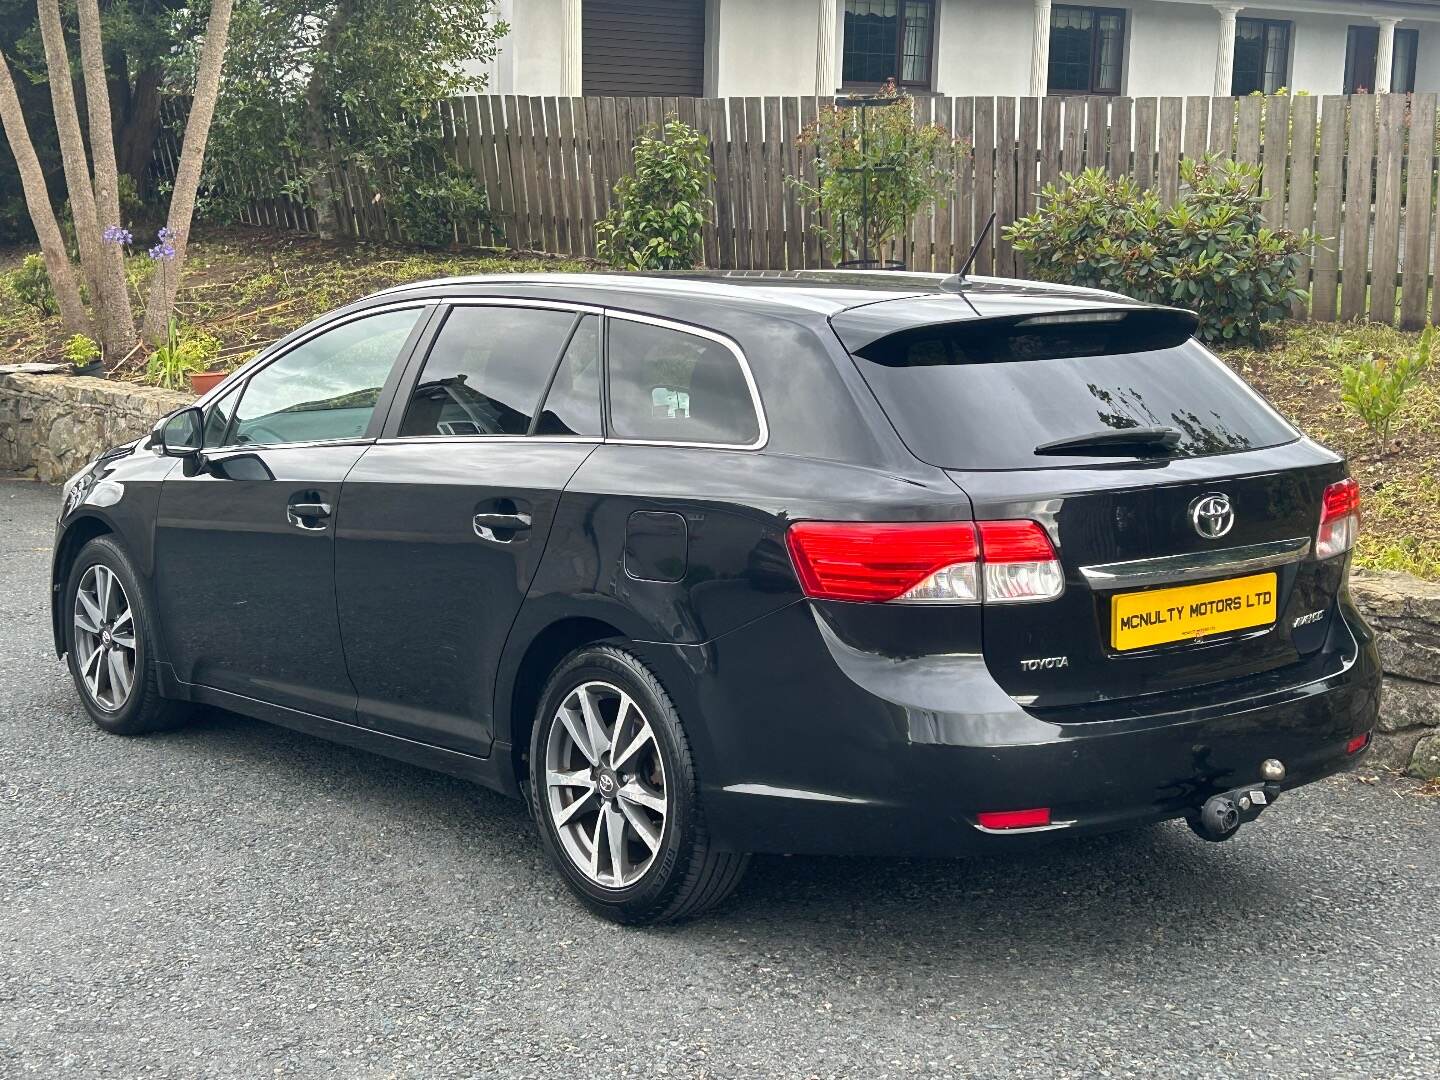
(1114, 441)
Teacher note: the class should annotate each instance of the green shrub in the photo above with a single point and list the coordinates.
(31, 286)
(903, 167)
(185, 350)
(79, 350)
(1374, 387)
(659, 211)
(1211, 252)
(428, 209)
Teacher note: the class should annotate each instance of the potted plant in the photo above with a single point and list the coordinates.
(185, 358)
(84, 356)
(202, 382)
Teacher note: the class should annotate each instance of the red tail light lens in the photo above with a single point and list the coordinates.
(854, 560)
(924, 562)
(1339, 519)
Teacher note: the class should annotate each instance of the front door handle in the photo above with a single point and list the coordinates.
(500, 528)
(309, 516)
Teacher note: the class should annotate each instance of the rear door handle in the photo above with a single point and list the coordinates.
(309, 516)
(500, 528)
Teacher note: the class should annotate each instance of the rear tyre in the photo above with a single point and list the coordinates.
(109, 643)
(613, 785)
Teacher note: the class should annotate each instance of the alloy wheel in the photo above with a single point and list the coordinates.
(104, 638)
(605, 785)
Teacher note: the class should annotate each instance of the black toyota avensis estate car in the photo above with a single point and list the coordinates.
(710, 565)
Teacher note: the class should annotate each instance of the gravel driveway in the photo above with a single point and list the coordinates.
(238, 900)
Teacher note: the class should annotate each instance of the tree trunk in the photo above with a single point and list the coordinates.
(317, 138)
(122, 336)
(114, 336)
(137, 128)
(42, 215)
(187, 173)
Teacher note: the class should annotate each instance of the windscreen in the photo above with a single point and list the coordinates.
(986, 394)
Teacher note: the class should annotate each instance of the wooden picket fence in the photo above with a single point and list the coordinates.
(1359, 171)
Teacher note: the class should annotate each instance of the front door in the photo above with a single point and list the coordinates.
(446, 518)
(244, 546)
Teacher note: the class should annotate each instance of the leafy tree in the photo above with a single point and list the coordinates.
(870, 186)
(315, 85)
(95, 196)
(660, 210)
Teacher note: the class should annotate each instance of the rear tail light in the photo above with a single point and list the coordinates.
(925, 562)
(1020, 564)
(1358, 743)
(1014, 819)
(1339, 519)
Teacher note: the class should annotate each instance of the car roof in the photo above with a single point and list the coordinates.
(816, 292)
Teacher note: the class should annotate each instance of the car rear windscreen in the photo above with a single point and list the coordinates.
(985, 394)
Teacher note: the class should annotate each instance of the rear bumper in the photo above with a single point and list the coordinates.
(810, 747)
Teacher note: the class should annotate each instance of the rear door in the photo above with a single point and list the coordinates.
(1187, 558)
(447, 515)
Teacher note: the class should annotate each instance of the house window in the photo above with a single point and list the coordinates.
(1087, 50)
(1362, 52)
(889, 39)
(1262, 56)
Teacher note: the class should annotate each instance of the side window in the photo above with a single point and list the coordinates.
(572, 407)
(486, 371)
(326, 388)
(671, 386)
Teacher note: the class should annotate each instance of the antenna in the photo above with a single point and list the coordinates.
(954, 281)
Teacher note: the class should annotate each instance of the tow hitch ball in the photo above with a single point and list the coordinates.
(1222, 815)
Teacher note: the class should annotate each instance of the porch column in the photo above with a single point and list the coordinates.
(825, 47)
(1385, 56)
(570, 53)
(1040, 50)
(1225, 51)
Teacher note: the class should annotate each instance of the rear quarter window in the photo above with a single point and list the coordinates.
(976, 396)
(667, 385)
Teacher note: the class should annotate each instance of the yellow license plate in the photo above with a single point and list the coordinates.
(1160, 616)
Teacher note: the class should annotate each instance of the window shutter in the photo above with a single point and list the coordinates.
(643, 47)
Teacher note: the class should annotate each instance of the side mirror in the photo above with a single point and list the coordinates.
(181, 434)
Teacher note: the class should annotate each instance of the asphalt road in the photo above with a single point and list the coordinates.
(238, 900)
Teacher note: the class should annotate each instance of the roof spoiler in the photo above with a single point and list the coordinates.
(1081, 330)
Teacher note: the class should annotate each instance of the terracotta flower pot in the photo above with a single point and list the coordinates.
(202, 382)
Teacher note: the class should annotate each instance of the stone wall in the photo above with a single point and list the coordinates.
(51, 425)
(1405, 613)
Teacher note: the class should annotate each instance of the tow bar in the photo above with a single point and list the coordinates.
(1222, 815)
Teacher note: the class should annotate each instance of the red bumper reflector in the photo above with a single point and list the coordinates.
(1358, 743)
(1014, 819)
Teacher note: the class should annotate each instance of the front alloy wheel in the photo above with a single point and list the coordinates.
(104, 638)
(109, 642)
(605, 783)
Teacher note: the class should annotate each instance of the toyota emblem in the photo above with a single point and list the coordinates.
(1212, 516)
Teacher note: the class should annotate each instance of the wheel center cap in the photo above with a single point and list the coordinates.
(105, 637)
(608, 784)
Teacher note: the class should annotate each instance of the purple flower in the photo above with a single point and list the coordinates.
(165, 249)
(116, 234)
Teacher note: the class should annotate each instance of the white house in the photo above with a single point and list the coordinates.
(722, 48)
